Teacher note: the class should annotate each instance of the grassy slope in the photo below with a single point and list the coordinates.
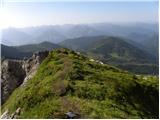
(66, 81)
(116, 51)
(124, 51)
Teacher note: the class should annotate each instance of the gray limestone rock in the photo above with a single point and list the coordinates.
(15, 73)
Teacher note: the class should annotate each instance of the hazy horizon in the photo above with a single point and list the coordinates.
(28, 14)
(122, 23)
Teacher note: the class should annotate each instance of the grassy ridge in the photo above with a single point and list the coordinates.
(67, 81)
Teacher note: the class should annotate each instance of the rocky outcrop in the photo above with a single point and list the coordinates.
(14, 115)
(5, 115)
(11, 77)
(15, 73)
(30, 65)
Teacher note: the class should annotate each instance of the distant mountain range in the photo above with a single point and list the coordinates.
(116, 51)
(25, 51)
(128, 46)
(144, 34)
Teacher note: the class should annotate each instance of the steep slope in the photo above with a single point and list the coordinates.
(70, 82)
(116, 51)
(12, 75)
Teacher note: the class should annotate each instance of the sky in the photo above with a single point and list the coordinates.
(25, 14)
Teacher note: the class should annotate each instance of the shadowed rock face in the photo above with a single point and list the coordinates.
(12, 76)
(17, 72)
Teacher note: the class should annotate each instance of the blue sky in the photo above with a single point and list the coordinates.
(16, 14)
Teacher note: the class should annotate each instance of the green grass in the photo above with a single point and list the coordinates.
(66, 81)
(114, 55)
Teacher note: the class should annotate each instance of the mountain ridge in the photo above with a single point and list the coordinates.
(67, 81)
(26, 51)
(116, 51)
